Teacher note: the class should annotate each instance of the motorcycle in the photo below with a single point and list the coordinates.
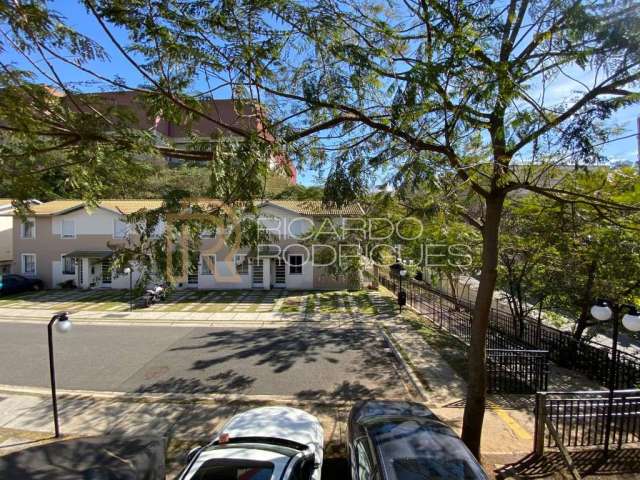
(154, 295)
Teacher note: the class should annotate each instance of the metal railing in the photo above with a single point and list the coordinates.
(511, 366)
(578, 419)
(517, 371)
(454, 314)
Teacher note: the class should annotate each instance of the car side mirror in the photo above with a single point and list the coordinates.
(192, 453)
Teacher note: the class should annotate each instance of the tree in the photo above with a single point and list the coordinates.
(455, 92)
(569, 255)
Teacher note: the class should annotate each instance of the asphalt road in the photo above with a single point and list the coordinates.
(303, 361)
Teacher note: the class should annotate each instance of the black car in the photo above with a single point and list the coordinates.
(390, 440)
(13, 283)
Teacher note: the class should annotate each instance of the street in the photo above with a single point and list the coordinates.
(306, 362)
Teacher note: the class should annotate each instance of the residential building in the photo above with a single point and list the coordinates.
(6, 234)
(64, 241)
(6, 237)
(223, 118)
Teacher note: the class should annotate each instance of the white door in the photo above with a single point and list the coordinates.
(257, 274)
(281, 269)
(105, 268)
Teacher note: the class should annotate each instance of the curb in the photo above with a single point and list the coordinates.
(417, 384)
(172, 397)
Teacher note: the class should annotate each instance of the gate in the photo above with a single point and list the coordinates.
(577, 420)
(517, 371)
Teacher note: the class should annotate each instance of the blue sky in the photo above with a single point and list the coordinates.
(561, 89)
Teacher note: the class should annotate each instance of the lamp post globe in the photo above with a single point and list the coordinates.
(127, 270)
(403, 273)
(631, 321)
(63, 325)
(601, 313)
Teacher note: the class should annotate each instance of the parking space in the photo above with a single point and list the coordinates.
(206, 301)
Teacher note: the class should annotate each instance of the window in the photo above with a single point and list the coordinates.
(228, 469)
(68, 266)
(208, 265)
(242, 265)
(120, 228)
(208, 232)
(295, 264)
(28, 229)
(68, 229)
(28, 264)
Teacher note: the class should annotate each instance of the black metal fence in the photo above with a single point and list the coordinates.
(454, 315)
(517, 371)
(511, 366)
(579, 418)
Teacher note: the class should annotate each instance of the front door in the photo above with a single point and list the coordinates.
(80, 273)
(105, 266)
(257, 275)
(281, 268)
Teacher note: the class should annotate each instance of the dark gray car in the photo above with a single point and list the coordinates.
(390, 440)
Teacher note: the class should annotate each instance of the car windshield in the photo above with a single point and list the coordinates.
(419, 450)
(234, 470)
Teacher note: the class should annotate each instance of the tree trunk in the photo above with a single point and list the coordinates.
(586, 300)
(477, 384)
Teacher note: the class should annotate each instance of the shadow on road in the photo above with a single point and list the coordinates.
(308, 363)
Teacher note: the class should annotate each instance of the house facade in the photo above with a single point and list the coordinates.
(64, 242)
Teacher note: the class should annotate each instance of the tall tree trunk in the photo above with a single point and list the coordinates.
(477, 385)
(586, 300)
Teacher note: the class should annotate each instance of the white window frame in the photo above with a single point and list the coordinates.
(209, 232)
(35, 264)
(22, 225)
(62, 259)
(128, 230)
(244, 261)
(62, 235)
(291, 265)
(203, 264)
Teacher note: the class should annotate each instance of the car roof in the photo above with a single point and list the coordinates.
(282, 423)
(368, 409)
(423, 446)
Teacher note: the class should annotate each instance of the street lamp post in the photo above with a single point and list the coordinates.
(402, 296)
(603, 311)
(63, 325)
(127, 270)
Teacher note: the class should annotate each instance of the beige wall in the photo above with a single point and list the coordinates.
(6, 238)
(49, 247)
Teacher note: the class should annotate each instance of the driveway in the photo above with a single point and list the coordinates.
(298, 360)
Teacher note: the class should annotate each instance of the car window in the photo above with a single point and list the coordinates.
(303, 470)
(424, 450)
(233, 470)
(364, 462)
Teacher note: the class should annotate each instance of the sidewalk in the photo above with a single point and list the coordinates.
(508, 423)
(185, 420)
(184, 319)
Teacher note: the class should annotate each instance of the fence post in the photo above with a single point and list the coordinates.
(541, 413)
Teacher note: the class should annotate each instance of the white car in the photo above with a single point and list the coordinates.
(267, 443)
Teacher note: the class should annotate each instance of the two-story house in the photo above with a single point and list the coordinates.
(64, 241)
(6, 234)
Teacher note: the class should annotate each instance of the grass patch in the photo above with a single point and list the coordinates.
(310, 305)
(329, 302)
